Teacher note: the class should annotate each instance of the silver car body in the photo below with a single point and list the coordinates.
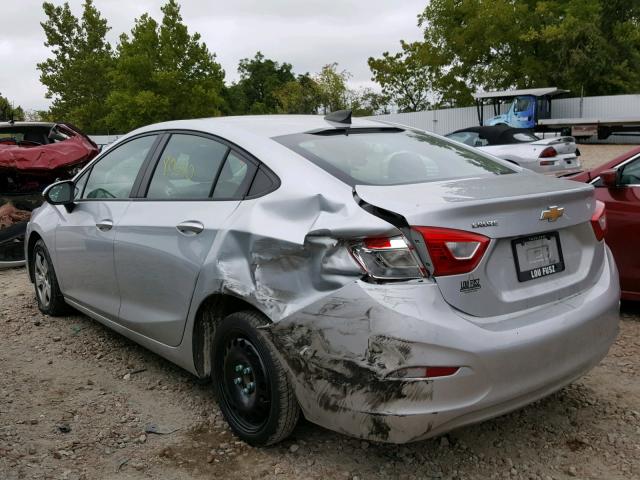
(285, 254)
(527, 154)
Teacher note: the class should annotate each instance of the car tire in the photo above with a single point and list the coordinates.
(50, 299)
(251, 384)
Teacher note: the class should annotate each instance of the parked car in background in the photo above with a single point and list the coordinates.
(387, 283)
(32, 156)
(557, 156)
(618, 185)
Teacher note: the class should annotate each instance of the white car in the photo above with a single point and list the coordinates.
(557, 156)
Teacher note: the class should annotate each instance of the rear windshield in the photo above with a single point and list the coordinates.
(525, 137)
(390, 157)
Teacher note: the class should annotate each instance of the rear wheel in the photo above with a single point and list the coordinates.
(253, 390)
(48, 295)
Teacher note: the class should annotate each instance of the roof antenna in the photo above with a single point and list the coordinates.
(340, 119)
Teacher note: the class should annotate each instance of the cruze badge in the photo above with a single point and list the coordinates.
(485, 223)
(552, 214)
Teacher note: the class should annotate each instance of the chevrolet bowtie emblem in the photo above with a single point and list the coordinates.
(552, 214)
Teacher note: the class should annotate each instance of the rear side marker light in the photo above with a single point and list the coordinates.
(599, 220)
(425, 372)
(547, 163)
(548, 152)
(453, 252)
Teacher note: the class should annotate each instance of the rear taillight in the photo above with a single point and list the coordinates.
(548, 152)
(453, 252)
(599, 220)
(388, 258)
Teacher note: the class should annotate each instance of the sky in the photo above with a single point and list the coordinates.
(306, 33)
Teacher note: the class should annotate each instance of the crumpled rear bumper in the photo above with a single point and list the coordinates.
(341, 350)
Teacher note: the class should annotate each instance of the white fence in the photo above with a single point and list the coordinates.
(450, 119)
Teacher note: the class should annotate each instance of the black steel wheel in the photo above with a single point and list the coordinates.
(253, 390)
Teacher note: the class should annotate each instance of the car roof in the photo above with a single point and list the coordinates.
(495, 134)
(268, 126)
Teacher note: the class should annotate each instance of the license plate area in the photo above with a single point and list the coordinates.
(537, 256)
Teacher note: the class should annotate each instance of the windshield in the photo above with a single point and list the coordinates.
(391, 157)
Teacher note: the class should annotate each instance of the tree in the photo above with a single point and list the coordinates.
(301, 96)
(76, 76)
(589, 45)
(366, 102)
(9, 112)
(333, 88)
(162, 73)
(260, 80)
(404, 77)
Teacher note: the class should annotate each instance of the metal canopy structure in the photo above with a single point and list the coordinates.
(496, 98)
(536, 92)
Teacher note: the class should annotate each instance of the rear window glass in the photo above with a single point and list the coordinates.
(525, 137)
(391, 158)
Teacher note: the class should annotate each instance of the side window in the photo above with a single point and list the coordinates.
(631, 173)
(261, 184)
(187, 168)
(114, 174)
(234, 179)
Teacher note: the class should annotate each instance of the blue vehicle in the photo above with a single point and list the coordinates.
(526, 107)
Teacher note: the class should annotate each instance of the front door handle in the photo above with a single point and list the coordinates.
(190, 227)
(104, 225)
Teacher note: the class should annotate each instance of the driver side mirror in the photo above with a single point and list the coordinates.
(60, 193)
(609, 178)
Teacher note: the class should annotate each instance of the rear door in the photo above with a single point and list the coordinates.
(623, 219)
(164, 237)
(84, 236)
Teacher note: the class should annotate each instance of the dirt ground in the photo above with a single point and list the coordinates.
(594, 155)
(78, 401)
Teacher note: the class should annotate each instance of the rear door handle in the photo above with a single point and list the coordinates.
(104, 225)
(190, 227)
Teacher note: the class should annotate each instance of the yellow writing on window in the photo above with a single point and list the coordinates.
(171, 167)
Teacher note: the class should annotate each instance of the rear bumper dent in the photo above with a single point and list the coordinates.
(341, 350)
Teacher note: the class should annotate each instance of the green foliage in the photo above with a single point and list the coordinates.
(499, 44)
(163, 73)
(301, 95)
(404, 77)
(159, 72)
(76, 76)
(366, 102)
(9, 112)
(260, 80)
(333, 88)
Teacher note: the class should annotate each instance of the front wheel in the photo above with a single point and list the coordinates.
(252, 386)
(48, 295)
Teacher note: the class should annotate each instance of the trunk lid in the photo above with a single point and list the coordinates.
(505, 208)
(562, 145)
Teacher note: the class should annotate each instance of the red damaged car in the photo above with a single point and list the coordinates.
(618, 185)
(32, 156)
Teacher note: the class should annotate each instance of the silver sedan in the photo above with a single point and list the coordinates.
(383, 282)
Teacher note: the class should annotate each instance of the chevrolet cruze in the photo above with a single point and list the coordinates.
(383, 282)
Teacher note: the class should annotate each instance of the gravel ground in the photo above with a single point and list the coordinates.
(78, 401)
